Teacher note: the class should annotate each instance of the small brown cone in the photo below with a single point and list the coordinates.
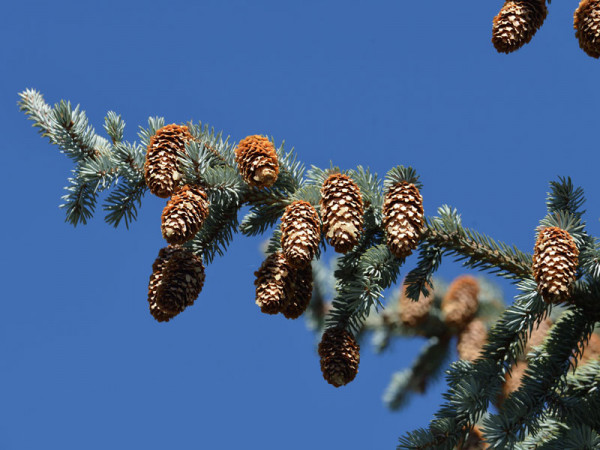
(341, 211)
(403, 218)
(161, 166)
(587, 23)
(555, 261)
(471, 340)
(340, 356)
(273, 283)
(257, 161)
(184, 214)
(299, 294)
(516, 23)
(300, 233)
(413, 314)
(460, 302)
(591, 351)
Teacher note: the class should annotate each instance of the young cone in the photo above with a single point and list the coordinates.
(257, 161)
(555, 261)
(587, 25)
(184, 214)
(471, 340)
(342, 212)
(413, 314)
(403, 218)
(300, 233)
(273, 283)
(516, 23)
(299, 294)
(160, 168)
(460, 302)
(340, 356)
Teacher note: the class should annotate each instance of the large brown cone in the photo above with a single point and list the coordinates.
(300, 233)
(516, 23)
(155, 281)
(340, 356)
(413, 314)
(161, 166)
(403, 218)
(299, 294)
(257, 161)
(341, 211)
(587, 23)
(460, 303)
(273, 283)
(555, 261)
(471, 340)
(184, 214)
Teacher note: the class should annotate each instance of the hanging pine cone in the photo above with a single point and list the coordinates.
(273, 283)
(299, 293)
(587, 23)
(184, 214)
(340, 356)
(161, 167)
(342, 212)
(555, 261)
(413, 314)
(471, 340)
(460, 302)
(403, 218)
(300, 233)
(257, 161)
(155, 281)
(516, 23)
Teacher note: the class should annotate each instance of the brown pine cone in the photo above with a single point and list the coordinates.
(475, 440)
(155, 280)
(161, 166)
(587, 23)
(342, 212)
(340, 356)
(555, 261)
(460, 303)
(471, 340)
(184, 214)
(413, 314)
(591, 351)
(300, 293)
(516, 23)
(513, 380)
(300, 233)
(273, 283)
(403, 218)
(257, 161)
(537, 336)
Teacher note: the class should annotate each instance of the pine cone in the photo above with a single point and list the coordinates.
(342, 212)
(155, 281)
(536, 337)
(471, 340)
(403, 218)
(300, 293)
(460, 302)
(300, 233)
(516, 23)
(257, 161)
(273, 283)
(591, 351)
(340, 356)
(587, 23)
(513, 380)
(555, 261)
(161, 167)
(184, 214)
(475, 440)
(413, 314)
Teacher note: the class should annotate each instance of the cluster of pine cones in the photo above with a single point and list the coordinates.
(519, 20)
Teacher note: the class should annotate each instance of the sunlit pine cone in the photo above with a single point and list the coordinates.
(413, 314)
(587, 23)
(555, 261)
(591, 351)
(300, 233)
(471, 340)
(161, 166)
(273, 283)
(182, 280)
(341, 211)
(403, 218)
(299, 294)
(516, 23)
(155, 280)
(257, 161)
(340, 356)
(184, 214)
(460, 303)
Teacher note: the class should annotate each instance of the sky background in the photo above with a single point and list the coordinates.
(378, 83)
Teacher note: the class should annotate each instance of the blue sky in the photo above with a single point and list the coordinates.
(377, 83)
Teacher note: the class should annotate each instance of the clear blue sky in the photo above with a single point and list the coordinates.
(379, 83)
